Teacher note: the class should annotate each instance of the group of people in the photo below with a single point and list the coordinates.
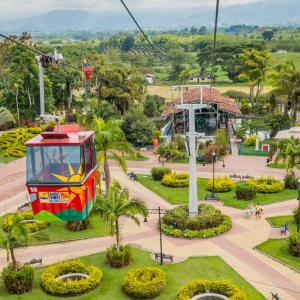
(256, 211)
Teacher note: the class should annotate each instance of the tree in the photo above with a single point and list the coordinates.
(16, 232)
(128, 43)
(252, 68)
(286, 83)
(167, 152)
(117, 204)
(185, 74)
(288, 152)
(268, 35)
(109, 137)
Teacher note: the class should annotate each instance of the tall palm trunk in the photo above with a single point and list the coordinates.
(17, 104)
(106, 173)
(13, 257)
(117, 233)
(252, 95)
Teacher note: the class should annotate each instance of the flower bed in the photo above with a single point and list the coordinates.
(158, 173)
(27, 217)
(53, 282)
(221, 287)
(176, 180)
(222, 184)
(267, 185)
(210, 222)
(144, 283)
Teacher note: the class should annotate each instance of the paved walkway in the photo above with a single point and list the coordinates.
(235, 247)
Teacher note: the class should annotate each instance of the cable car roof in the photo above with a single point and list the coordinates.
(64, 135)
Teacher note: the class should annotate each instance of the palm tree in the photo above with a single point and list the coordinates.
(110, 137)
(286, 82)
(116, 204)
(16, 231)
(288, 152)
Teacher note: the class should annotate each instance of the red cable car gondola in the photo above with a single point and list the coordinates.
(61, 173)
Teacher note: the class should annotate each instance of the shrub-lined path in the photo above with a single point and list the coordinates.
(235, 247)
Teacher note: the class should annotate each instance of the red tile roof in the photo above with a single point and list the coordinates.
(210, 95)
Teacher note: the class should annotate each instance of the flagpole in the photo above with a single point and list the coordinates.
(85, 90)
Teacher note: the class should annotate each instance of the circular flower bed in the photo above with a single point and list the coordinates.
(54, 283)
(221, 287)
(209, 222)
(176, 180)
(267, 185)
(222, 184)
(27, 218)
(145, 282)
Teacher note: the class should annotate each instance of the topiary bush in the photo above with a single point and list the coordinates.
(208, 223)
(118, 258)
(222, 184)
(201, 286)
(58, 287)
(251, 140)
(267, 185)
(296, 215)
(158, 173)
(176, 180)
(144, 283)
(18, 281)
(294, 244)
(291, 181)
(245, 191)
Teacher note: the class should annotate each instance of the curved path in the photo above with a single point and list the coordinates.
(235, 247)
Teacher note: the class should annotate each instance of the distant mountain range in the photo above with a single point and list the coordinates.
(267, 12)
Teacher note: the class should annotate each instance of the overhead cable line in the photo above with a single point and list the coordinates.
(61, 63)
(142, 31)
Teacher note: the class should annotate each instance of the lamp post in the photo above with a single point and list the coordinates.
(214, 158)
(298, 221)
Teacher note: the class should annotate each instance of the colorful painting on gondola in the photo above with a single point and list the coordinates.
(62, 175)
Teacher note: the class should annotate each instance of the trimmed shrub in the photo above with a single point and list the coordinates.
(222, 184)
(201, 286)
(144, 283)
(294, 244)
(251, 140)
(296, 215)
(176, 180)
(245, 191)
(159, 173)
(208, 223)
(290, 181)
(267, 185)
(18, 281)
(58, 287)
(118, 258)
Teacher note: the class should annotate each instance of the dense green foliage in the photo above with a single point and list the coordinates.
(18, 281)
(158, 173)
(291, 180)
(294, 244)
(144, 283)
(119, 257)
(59, 287)
(245, 191)
(220, 184)
(209, 222)
(267, 185)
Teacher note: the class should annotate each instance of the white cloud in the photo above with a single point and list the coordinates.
(14, 9)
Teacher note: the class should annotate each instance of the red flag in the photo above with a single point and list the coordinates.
(86, 69)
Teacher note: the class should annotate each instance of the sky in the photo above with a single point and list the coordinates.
(15, 9)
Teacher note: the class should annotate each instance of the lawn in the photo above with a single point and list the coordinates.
(250, 150)
(181, 195)
(278, 248)
(57, 231)
(281, 166)
(135, 158)
(178, 274)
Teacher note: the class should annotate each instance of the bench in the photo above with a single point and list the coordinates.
(234, 176)
(34, 261)
(166, 256)
(247, 177)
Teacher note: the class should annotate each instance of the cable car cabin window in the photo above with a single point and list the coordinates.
(54, 164)
(87, 156)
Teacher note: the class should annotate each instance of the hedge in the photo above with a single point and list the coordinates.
(158, 173)
(56, 286)
(176, 180)
(267, 185)
(245, 191)
(201, 286)
(144, 283)
(118, 258)
(294, 244)
(18, 281)
(222, 184)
